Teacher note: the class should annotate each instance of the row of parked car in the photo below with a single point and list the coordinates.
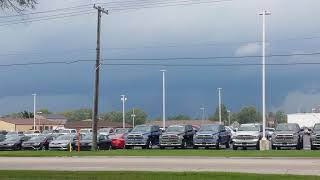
(213, 135)
(150, 136)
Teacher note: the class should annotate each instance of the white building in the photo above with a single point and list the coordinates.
(304, 119)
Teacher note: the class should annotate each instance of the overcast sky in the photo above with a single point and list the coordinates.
(207, 29)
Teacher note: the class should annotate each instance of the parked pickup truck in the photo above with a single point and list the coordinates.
(287, 135)
(212, 135)
(248, 135)
(144, 136)
(315, 137)
(177, 136)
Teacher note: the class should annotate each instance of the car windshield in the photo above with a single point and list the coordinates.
(38, 138)
(65, 131)
(105, 130)
(248, 128)
(214, 128)
(141, 129)
(85, 130)
(175, 129)
(64, 137)
(120, 131)
(13, 138)
(87, 137)
(316, 127)
(286, 127)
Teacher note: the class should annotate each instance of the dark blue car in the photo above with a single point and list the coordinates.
(212, 135)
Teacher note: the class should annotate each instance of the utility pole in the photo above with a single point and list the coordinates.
(96, 83)
(163, 98)
(34, 111)
(219, 89)
(123, 99)
(133, 115)
(263, 143)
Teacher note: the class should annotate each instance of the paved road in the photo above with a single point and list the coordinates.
(247, 165)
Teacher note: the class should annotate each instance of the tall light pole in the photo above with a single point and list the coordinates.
(34, 111)
(202, 109)
(123, 99)
(163, 98)
(264, 13)
(133, 115)
(219, 89)
(229, 113)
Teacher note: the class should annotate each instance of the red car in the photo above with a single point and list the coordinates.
(117, 138)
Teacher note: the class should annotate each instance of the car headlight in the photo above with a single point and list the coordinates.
(313, 136)
(10, 144)
(36, 144)
(180, 137)
(215, 137)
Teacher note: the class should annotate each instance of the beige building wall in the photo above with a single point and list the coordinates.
(23, 127)
(7, 126)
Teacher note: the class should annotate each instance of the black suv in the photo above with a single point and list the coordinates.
(287, 135)
(144, 136)
(177, 136)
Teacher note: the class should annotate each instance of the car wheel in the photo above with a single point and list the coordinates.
(312, 147)
(127, 147)
(298, 146)
(227, 144)
(273, 147)
(149, 144)
(234, 147)
(184, 144)
(195, 147)
(218, 145)
(162, 147)
(278, 148)
(258, 146)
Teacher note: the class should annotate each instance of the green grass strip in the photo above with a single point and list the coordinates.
(35, 175)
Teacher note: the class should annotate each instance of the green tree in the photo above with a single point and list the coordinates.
(44, 111)
(281, 117)
(18, 5)
(179, 117)
(224, 114)
(248, 115)
(78, 115)
(116, 116)
(23, 114)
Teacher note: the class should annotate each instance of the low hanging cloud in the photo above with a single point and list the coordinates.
(298, 101)
(248, 49)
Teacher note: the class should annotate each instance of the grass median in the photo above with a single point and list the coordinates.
(186, 152)
(34, 175)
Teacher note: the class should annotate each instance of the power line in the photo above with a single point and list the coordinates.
(115, 8)
(177, 64)
(213, 57)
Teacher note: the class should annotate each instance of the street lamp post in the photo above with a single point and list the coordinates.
(163, 98)
(133, 115)
(264, 145)
(229, 113)
(264, 13)
(123, 99)
(203, 110)
(34, 111)
(219, 89)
